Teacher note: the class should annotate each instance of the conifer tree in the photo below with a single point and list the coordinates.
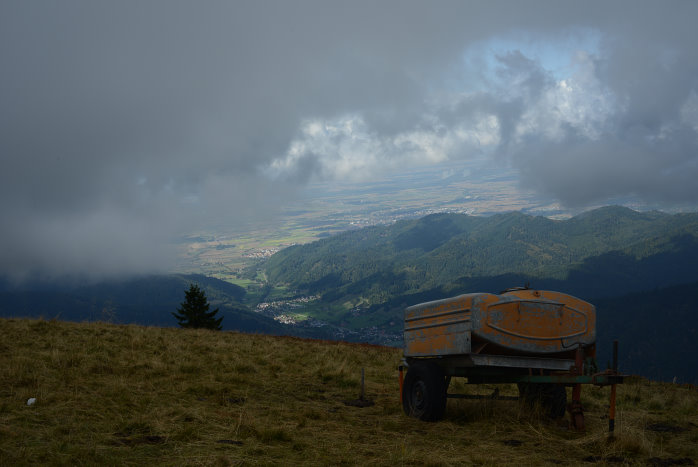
(193, 312)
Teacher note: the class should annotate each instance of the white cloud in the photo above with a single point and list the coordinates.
(579, 103)
(342, 147)
(577, 110)
(461, 123)
(346, 148)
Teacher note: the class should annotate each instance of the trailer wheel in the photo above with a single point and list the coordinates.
(424, 392)
(551, 397)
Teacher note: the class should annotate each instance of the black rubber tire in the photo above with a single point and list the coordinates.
(551, 397)
(424, 392)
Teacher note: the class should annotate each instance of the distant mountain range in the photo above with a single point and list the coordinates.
(439, 250)
(607, 252)
(638, 268)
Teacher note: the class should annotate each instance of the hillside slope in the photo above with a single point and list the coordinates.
(123, 395)
(147, 300)
(366, 278)
(378, 263)
(657, 331)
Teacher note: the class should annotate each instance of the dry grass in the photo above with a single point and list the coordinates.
(111, 394)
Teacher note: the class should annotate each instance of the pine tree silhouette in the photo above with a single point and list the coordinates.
(193, 312)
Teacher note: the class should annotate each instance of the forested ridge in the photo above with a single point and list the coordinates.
(444, 250)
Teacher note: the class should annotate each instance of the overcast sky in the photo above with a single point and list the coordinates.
(126, 123)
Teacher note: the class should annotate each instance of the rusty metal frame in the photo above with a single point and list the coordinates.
(501, 369)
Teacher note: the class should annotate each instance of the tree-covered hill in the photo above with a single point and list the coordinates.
(657, 331)
(625, 250)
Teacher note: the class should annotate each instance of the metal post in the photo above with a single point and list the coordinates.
(575, 406)
(612, 405)
(578, 363)
(612, 410)
(615, 356)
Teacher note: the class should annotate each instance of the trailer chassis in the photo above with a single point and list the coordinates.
(423, 392)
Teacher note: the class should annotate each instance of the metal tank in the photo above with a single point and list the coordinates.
(521, 321)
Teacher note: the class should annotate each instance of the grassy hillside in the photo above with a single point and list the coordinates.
(129, 395)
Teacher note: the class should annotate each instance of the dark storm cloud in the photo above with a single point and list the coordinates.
(125, 124)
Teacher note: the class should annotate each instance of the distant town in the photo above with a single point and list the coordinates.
(282, 311)
(260, 253)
